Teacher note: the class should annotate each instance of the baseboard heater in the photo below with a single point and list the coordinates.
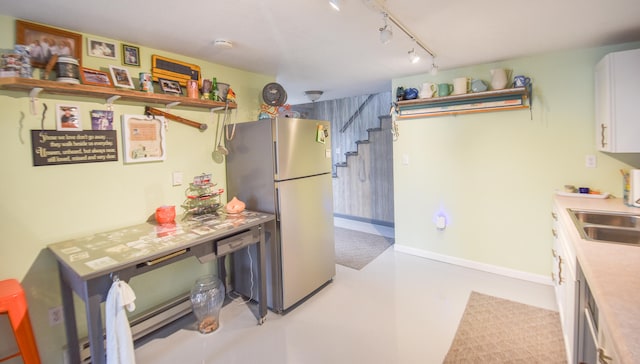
(149, 321)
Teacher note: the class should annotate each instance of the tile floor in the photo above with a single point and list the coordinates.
(398, 309)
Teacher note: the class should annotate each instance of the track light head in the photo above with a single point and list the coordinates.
(413, 57)
(434, 68)
(386, 34)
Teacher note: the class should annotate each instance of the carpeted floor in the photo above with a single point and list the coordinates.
(355, 249)
(495, 330)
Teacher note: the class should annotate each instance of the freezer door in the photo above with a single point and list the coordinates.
(307, 248)
(303, 147)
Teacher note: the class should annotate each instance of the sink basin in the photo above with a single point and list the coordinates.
(611, 234)
(608, 227)
(607, 218)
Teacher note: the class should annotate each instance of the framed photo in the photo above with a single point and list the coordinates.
(121, 77)
(101, 119)
(44, 42)
(101, 48)
(170, 86)
(67, 117)
(130, 55)
(95, 77)
(143, 138)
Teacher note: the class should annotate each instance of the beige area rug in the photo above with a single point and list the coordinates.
(495, 330)
(355, 249)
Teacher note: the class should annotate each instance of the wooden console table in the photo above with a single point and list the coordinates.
(88, 265)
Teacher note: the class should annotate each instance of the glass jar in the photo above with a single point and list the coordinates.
(207, 297)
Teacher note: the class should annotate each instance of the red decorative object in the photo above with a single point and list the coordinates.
(165, 214)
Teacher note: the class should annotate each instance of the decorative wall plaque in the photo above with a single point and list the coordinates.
(51, 147)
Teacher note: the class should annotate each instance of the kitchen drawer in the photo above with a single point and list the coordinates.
(236, 242)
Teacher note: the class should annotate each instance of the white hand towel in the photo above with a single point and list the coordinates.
(119, 340)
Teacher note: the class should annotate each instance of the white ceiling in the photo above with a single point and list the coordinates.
(308, 46)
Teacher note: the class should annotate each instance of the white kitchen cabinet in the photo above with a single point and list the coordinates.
(617, 91)
(563, 274)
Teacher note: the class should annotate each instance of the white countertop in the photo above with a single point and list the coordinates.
(613, 273)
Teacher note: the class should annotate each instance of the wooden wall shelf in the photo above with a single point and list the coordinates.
(35, 86)
(497, 100)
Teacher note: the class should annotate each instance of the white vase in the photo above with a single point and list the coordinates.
(499, 78)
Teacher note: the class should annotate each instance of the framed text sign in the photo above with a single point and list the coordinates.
(51, 147)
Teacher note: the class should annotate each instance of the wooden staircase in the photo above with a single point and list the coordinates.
(363, 184)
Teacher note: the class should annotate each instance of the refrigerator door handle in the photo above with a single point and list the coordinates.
(277, 203)
(275, 159)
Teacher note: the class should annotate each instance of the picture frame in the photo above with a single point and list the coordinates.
(121, 77)
(170, 86)
(102, 49)
(68, 117)
(130, 55)
(45, 41)
(102, 119)
(95, 77)
(143, 138)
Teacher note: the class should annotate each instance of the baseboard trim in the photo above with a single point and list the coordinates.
(512, 273)
(365, 220)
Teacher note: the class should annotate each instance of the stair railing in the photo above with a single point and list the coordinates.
(357, 113)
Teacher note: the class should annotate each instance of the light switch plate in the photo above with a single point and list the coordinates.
(177, 178)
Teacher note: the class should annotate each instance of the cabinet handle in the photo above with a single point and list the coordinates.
(602, 357)
(602, 139)
(554, 253)
(554, 233)
(553, 277)
(560, 279)
(554, 215)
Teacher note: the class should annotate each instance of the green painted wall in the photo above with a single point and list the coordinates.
(44, 205)
(493, 174)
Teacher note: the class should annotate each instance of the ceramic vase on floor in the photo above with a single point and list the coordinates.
(207, 297)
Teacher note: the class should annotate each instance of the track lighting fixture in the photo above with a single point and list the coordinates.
(335, 4)
(413, 57)
(385, 32)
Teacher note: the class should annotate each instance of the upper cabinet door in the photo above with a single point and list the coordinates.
(617, 113)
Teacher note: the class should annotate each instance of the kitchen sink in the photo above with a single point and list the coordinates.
(612, 234)
(609, 227)
(607, 218)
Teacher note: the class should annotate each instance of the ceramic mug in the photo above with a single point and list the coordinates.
(521, 81)
(428, 90)
(478, 86)
(461, 85)
(192, 89)
(444, 89)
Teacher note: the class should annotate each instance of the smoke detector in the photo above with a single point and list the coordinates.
(223, 44)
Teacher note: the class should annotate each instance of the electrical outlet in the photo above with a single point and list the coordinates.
(590, 161)
(55, 316)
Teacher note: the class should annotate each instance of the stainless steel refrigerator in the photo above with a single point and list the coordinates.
(283, 166)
